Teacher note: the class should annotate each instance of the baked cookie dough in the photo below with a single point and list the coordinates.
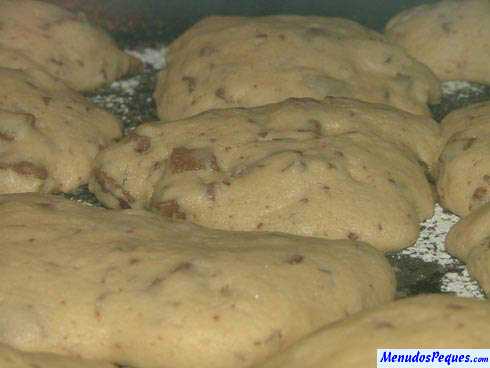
(335, 169)
(469, 240)
(422, 322)
(246, 62)
(64, 44)
(49, 134)
(452, 37)
(132, 288)
(12, 59)
(11, 358)
(464, 178)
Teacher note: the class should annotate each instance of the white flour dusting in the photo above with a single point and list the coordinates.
(126, 86)
(462, 88)
(120, 97)
(430, 248)
(461, 284)
(154, 57)
(115, 104)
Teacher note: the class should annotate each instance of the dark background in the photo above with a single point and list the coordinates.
(163, 20)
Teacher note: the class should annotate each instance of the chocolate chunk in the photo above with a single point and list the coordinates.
(191, 83)
(207, 51)
(480, 193)
(183, 159)
(295, 259)
(26, 168)
(171, 209)
(221, 94)
(7, 137)
(47, 100)
(352, 236)
(141, 143)
(109, 185)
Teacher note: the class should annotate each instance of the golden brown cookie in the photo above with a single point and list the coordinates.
(132, 288)
(245, 62)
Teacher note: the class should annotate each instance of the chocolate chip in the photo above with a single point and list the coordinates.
(183, 159)
(7, 137)
(207, 51)
(170, 209)
(480, 193)
(191, 83)
(123, 204)
(47, 100)
(221, 94)
(141, 144)
(295, 259)
(352, 236)
(26, 168)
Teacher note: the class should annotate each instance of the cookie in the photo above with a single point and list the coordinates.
(12, 59)
(132, 288)
(464, 178)
(450, 36)
(422, 322)
(226, 62)
(334, 169)
(63, 43)
(11, 358)
(469, 240)
(49, 134)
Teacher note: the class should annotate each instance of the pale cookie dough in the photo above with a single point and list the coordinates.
(132, 288)
(464, 173)
(452, 37)
(11, 358)
(65, 44)
(12, 59)
(422, 322)
(245, 62)
(469, 240)
(335, 169)
(49, 134)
